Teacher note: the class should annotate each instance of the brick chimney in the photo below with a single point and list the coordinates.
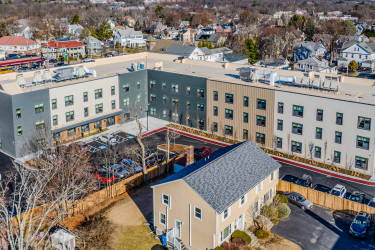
(277, 55)
(320, 58)
(302, 39)
(189, 155)
(316, 40)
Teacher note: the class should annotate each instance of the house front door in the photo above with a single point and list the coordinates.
(177, 228)
(239, 222)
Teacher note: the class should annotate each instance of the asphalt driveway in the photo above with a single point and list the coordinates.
(319, 229)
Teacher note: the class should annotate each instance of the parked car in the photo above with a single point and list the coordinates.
(119, 170)
(357, 196)
(131, 164)
(59, 64)
(322, 188)
(102, 147)
(24, 69)
(82, 145)
(105, 176)
(305, 181)
(360, 225)
(289, 178)
(203, 152)
(299, 200)
(109, 55)
(14, 56)
(371, 203)
(88, 60)
(338, 190)
(52, 60)
(107, 138)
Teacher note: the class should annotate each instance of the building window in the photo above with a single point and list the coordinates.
(216, 96)
(187, 105)
(162, 218)
(152, 84)
(153, 97)
(174, 88)
(339, 118)
(296, 147)
(138, 98)
(297, 128)
(228, 130)
(54, 120)
(229, 98)
(113, 103)
(297, 111)
(138, 85)
(246, 101)
(245, 134)
(54, 104)
(197, 213)
(215, 111)
(279, 142)
(71, 131)
(39, 108)
(261, 121)
(229, 114)
(214, 127)
(226, 213)
(200, 92)
(245, 117)
(1, 144)
(98, 93)
(319, 115)
(364, 123)
(153, 111)
(226, 233)
(113, 90)
(126, 88)
(361, 163)
(318, 133)
(280, 125)
(39, 125)
(18, 113)
(175, 102)
(164, 114)
(280, 109)
(337, 157)
(201, 123)
(69, 116)
(166, 199)
(188, 91)
(260, 138)
(164, 86)
(259, 187)
(338, 137)
(363, 142)
(261, 104)
(19, 130)
(99, 108)
(243, 200)
(201, 107)
(318, 152)
(126, 102)
(69, 100)
(86, 112)
(85, 97)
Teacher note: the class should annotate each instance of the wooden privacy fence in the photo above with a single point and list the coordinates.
(326, 200)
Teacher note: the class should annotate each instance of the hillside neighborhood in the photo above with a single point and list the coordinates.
(187, 125)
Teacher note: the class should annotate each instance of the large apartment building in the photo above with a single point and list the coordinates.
(335, 128)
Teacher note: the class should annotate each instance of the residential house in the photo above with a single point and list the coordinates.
(112, 24)
(183, 24)
(207, 31)
(224, 30)
(216, 40)
(19, 45)
(93, 45)
(71, 48)
(185, 35)
(208, 55)
(161, 45)
(24, 31)
(362, 53)
(219, 52)
(171, 33)
(158, 27)
(73, 27)
(277, 62)
(303, 50)
(2, 54)
(316, 65)
(233, 58)
(118, 27)
(358, 39)
(205, 202)
(360, 27)
(324, 39)
(189, 52)
(129, 37)
(129, 20)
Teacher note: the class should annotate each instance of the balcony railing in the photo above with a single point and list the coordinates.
(173, 241)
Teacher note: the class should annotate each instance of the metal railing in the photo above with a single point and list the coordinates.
(173, 240)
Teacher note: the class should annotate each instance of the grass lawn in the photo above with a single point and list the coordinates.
(137, 237)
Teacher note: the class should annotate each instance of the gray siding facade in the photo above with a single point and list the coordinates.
(7, 128)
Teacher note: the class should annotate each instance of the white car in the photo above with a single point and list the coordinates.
(107, 138)
(338, 190)
(89, 60)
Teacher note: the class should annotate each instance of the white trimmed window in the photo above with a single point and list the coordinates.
(226, 213)
(166, 200)
(162, 218)
(259, 187)
(225, 233)
(272, 176)
(197, 213)
(243, 200)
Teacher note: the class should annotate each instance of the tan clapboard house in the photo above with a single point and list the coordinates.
(202, 204)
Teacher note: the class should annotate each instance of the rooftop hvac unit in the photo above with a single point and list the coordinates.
(47, 77)
(21, 82)
(38, 77)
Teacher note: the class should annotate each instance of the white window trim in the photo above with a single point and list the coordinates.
(229, 212)
(196, 216)
(169, 200)
(165, 218)
(245, 200)
(261, 187)
(229, 233)
(273, 176)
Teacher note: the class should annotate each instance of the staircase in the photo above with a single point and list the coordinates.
(174, 242)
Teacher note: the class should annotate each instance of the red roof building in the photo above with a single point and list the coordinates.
(56, 48)
(19, 45)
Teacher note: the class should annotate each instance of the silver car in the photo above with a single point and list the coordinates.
(299, 200)
(119, 170)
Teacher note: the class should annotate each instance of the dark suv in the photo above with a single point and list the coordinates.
(357, 196)
(360, 224)
(305, 181)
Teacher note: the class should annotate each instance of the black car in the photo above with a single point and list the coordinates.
(322, 188)
(289, 178)
(357, 196)
(305, 181)
(59, 64)
(52, 60)
(360, 225)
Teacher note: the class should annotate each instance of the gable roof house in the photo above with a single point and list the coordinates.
(325, 39)
(93, 45)
(73, 27)
(303, 50)
(317, 65)
(129, 37)
(189, 52)
(213, 38)
(233, 58)
(72, 48)
(362, 53)
(19, 45)
(277, 62)
(219, 52)
(203, 203)
(224, 30)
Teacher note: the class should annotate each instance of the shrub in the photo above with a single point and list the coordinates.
(261, 221)
(219, 248)
(240, 241)
(269, 211)
(275, 221)
(283, 210)
(279, 198)
(241, 234)
(230, 246)
(262, 234)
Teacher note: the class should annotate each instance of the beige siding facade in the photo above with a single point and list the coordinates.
(239, 92)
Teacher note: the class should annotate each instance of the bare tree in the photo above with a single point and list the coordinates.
(325, 151)
(169, 136)
(311, 148)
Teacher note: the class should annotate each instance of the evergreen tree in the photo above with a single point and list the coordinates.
(251, 50)
(203, 44)
(92, 31)
(210, 45)
(104, 31)
(85, 33)
(75, 19)
(199, 44)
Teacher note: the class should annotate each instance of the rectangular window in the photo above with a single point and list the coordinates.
(200, 92)
(164, 86)
(259, 187)
(113, 103)
(215, 111)
(216, 96)
(1, 144)
(126, 102)
(229, 98)
(98, 93)
(164, 100)
(339, 118)
(162, 218)
(69, 100)
(164, 114)
(297, 128)
(229, 114)
(318, 152)
(201, 123)
(261, 104)
(337, 157)
(228, 130)
(85, 97)
(153, 111)
(187, 105)
(364, 123)
(99, 108)
(319, 115)
(69, 116)
(71, 132)
(187, 90)
(261, 121)
(54, 104)
(225, 233)
(214, 128)
(197, 213)
(280, 125)
(166, 199)
(260, 138)
(138, 98)
(18, 113)
(279, 142)
(225, 214)
(19, 130)
(319, 133)
(296, 147)
(245, 117)
(86, 112)
(280, 109)
(153, 97)
(126, 88)
(39, 125)
(174, 88)
(361, 163)
(152, 84)
(112, 90)
(246, 101)
(363, 142)
(242, 200)
(245, 134)
(175, 102)
(39, 108)
(200, 107)
(54, 120)
(138, 85)
(338, 137)
(297, 111)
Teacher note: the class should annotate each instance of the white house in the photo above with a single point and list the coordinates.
(129, 37)
(189, 52)
(73, 27)
(317, 65)
(112, 24)
(219, 52)
(93, 45)
(362, 53)
(207, 31)
(233, 58)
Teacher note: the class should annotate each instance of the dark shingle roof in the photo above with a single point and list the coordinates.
(179, 50)
(234, 57)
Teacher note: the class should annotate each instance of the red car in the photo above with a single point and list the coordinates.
(105, 177)
(203, 152)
